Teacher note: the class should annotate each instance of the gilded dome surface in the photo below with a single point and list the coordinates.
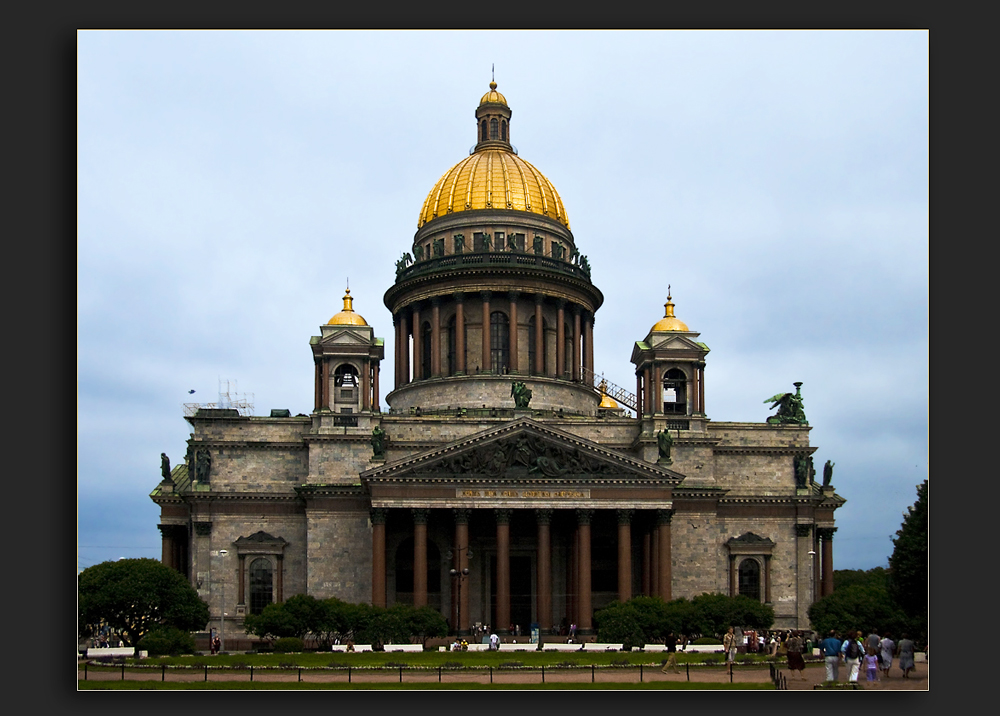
(493, 96)
(493, 179)
(347, 317)
(669, 322)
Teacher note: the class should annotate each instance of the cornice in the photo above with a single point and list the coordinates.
(763, 450)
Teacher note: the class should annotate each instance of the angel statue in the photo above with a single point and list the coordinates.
(521, 394)
(790, 410)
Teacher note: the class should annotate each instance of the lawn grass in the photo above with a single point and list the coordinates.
(435, 659)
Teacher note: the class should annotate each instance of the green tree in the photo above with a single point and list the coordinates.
(273, 622)
(878, 577)
(866, 607)
(134, 596)
(713, 614)
(908, 566)
(619, 622)
(426, 622)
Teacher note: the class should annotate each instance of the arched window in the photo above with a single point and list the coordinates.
(675, 392)
(503, 129)
(425, 350)
(261, 578)
(750, 578)
(499, 342)
(346, 376)
(483, 128)
(494, 131)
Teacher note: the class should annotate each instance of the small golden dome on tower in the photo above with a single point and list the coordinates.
(493, 96)
(347, 317)
(606, 400)
(669, 322)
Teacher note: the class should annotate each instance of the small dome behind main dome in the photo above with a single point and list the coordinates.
(669, 322)
(347, 317)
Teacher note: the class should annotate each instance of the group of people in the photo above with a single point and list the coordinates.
(873, 653)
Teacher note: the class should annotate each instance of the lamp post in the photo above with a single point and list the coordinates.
(222, 638)
(458, 576)
(812, 578)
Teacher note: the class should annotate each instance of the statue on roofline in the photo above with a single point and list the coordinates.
(164, 466)
(790, 409)
(828, 473)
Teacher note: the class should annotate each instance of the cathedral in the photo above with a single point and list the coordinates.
(501, 481)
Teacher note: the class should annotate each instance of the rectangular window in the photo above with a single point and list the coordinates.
(498, 242)
(438, 248)
(516, 242)
(479, 241)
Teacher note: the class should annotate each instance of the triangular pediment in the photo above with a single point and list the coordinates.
(347, 336)
(522, 450)
(673, 342)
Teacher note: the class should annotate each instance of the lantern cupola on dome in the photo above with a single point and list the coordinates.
(347, 317)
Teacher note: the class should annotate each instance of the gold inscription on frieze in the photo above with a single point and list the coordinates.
(525, 494)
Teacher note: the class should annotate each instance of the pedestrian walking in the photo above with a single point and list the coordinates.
(729, 645)
(794, 645)
(831, 652)
(671, 663)
(905, 651)
(852, 650)
(888, 648)
(871, 665)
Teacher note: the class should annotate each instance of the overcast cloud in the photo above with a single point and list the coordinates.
(231, 182)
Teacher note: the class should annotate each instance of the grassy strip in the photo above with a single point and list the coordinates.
(295, 686)
(434, 659)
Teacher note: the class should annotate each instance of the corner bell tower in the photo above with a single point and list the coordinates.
(670, 375)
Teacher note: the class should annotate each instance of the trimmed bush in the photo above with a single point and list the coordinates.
(167, 641)
(707, 640)
(288, 644)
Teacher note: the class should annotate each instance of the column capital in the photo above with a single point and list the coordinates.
(539, 299)
(625, 516)
(377, 515)
(513, 295)
(461, 515)
(486, 295)
(577, 309)
(803, 530)
(420, 515)
(435, 301)
(825, 533)
(561, 303)
(583, 517)
(664, 517)
(458, 296)
(543, 516)
(203, 529)
(502, 516)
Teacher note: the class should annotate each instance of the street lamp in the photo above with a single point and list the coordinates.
(458, 576)
(812, 578)
(222, 639)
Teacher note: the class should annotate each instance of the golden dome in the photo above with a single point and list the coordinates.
(493, 179)
(493, 96)
(669, 322)
(347, 317)
(606, 400)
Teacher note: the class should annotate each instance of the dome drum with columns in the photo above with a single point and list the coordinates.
(547, 512)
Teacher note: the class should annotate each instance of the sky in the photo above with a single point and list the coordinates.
(231, 183)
